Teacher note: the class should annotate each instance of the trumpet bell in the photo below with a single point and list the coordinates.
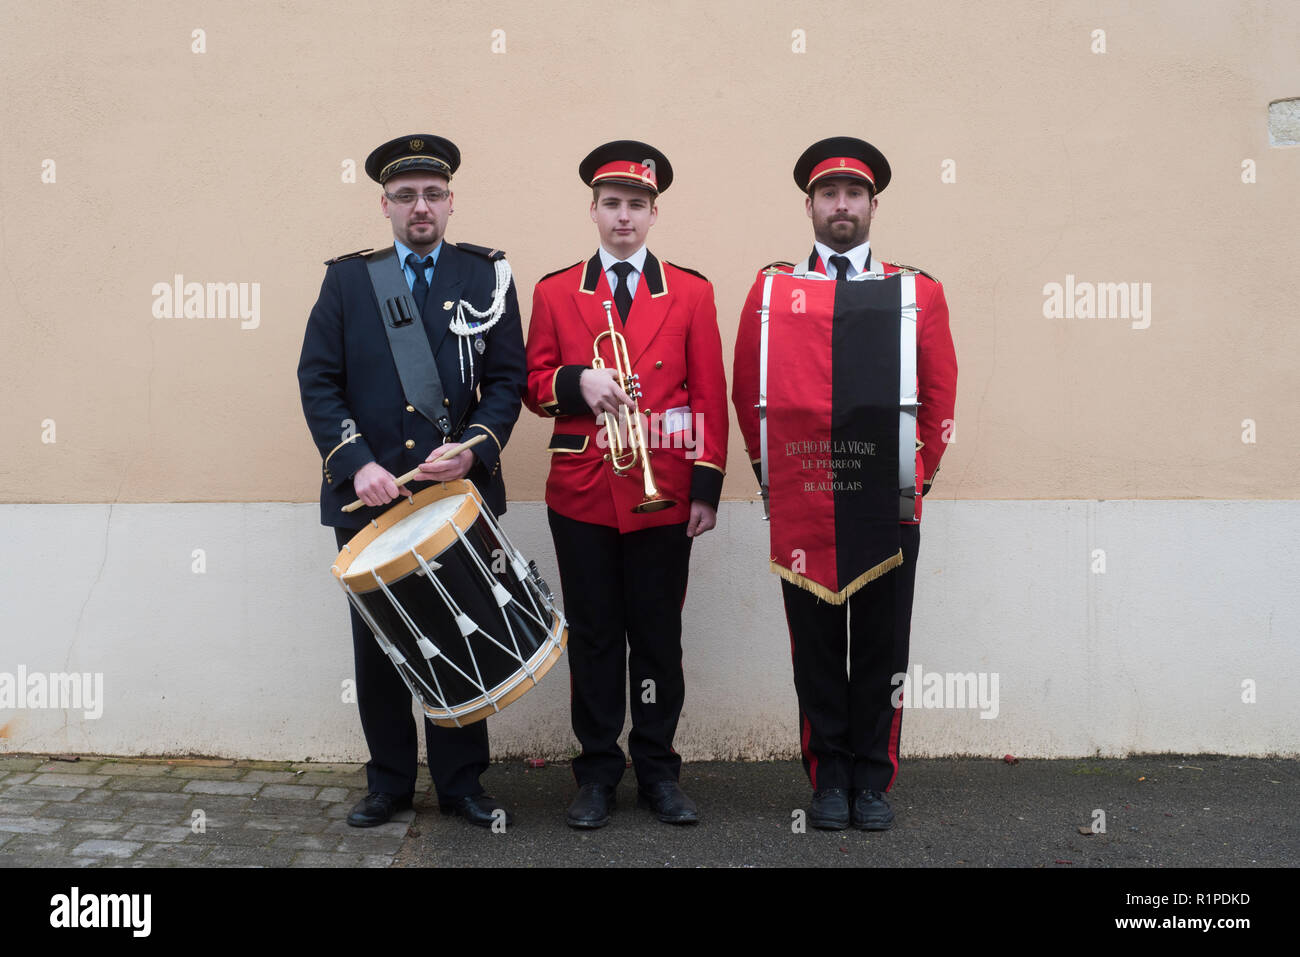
(653, 505)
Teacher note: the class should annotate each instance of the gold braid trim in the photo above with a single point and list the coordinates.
(840, 597)
(351, 438)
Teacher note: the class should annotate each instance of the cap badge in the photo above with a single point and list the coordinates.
(417, 145)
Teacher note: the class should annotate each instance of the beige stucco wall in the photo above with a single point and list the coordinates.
(225, 166)
(228, 166)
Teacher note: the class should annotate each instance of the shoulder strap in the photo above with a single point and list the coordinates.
(339, 259)
(492, 254)
(406, 338)
(558, 271)
(693, 272)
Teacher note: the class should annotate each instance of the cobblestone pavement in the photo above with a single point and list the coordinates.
(106, 812)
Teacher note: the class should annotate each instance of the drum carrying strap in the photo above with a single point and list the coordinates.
(416, 366)
(764, 485)
(908, 400)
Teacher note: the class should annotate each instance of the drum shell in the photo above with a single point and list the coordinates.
(463, 578)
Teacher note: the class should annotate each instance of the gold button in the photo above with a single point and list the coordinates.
(606, 456)
(659, 365)
(446, 403)
(410, 443)
(410, 408)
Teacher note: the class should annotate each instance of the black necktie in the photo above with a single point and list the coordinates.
(420, 291)
(841, 264)
(622, 295)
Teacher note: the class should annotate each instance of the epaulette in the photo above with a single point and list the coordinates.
(776, 266)
(482, 251)
(339, 259)
(558, 271)
(693, 272)
(915, 269)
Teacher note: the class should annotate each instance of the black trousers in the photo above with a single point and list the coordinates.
(623, 597)
(848, 727)
(457, 756)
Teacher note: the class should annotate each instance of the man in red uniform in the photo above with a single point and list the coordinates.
(849, 727)
(623, 550)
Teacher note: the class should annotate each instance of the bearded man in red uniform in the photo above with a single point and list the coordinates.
(623, 542)
(844, 385)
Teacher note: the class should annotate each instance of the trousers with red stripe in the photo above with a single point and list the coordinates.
(848, 727)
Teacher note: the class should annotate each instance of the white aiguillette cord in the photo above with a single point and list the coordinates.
(492, 314)
(415, 472)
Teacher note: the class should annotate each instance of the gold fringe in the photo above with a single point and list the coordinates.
(840, 597)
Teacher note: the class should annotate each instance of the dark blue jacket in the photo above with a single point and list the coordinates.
(350, 386)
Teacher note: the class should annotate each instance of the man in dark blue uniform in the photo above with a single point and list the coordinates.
(368, 430)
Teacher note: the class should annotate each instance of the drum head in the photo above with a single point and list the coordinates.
(426, 522)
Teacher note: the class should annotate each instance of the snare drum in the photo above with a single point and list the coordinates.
(466, 620)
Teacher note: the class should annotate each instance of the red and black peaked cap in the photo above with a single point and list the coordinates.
(627, 163)
(842, 156)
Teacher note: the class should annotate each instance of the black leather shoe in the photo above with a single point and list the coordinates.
(377, 808)
(478, 809)
(830, 809)
(669, 802)
(590, 809)
(871, 812)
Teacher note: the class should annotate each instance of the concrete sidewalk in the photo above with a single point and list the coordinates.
(1159, 811)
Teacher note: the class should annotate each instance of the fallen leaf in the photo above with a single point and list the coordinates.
(1010, 759)
(1085, 830)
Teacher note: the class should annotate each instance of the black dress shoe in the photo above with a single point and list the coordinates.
(479, 809)
(377, 808)
(669, 802)
(830, 809)
(590, 809)
(871, 812)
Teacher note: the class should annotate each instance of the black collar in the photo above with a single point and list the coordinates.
(652, 275)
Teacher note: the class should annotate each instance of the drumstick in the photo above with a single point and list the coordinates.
(450, 453)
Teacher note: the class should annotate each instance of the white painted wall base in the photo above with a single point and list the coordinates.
(248, 659)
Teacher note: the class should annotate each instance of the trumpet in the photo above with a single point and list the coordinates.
(624, 457)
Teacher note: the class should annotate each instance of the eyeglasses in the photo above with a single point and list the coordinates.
(407, 197)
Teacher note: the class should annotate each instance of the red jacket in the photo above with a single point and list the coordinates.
(936, 368)
(673, 342)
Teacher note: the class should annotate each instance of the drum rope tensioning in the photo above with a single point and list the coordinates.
(466, 620)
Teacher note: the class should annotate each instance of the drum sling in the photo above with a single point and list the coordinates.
(416, 366)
